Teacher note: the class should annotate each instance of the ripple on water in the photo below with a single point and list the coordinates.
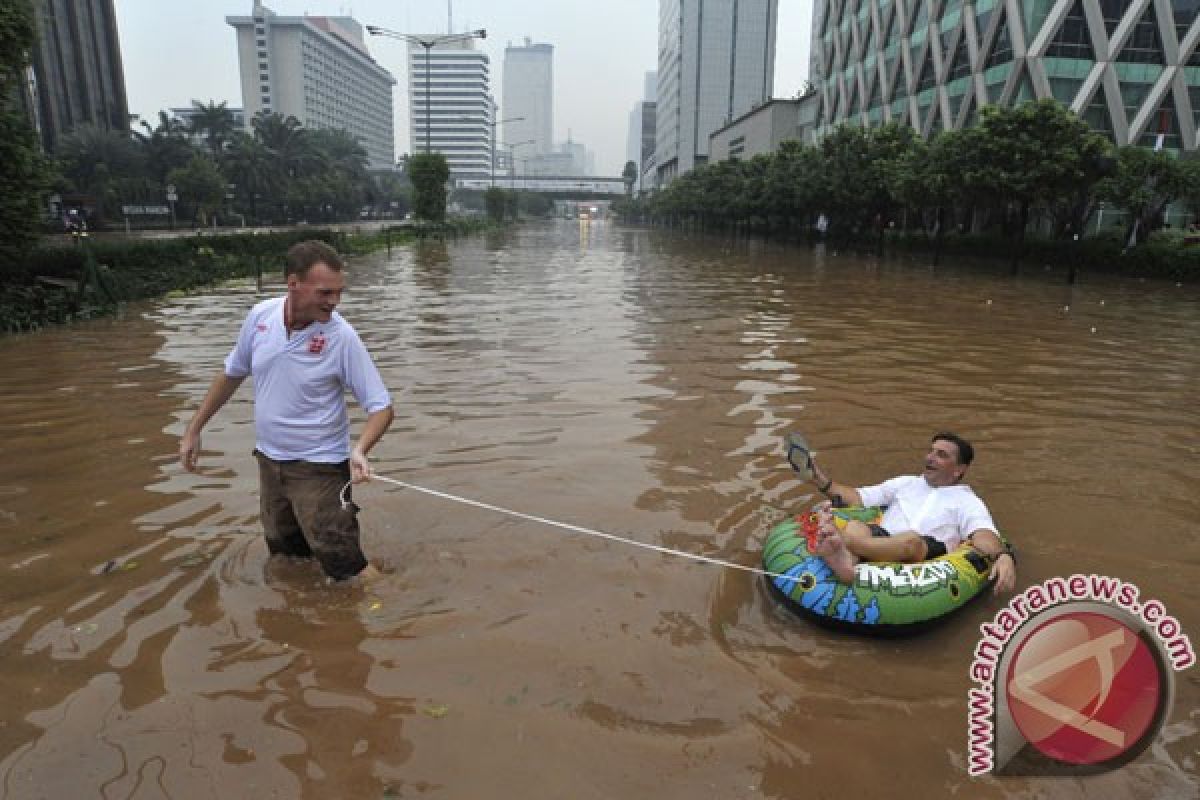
(633, 382)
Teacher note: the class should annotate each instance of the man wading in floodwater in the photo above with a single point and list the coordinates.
(927, 515)
(303, 355)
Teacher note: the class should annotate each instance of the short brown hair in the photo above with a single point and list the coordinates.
(302, 256)
(966, 453)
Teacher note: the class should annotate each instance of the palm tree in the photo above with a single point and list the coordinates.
(214, 122)
(251, 167)
(104, 165)
(166, 146)
(291, 149)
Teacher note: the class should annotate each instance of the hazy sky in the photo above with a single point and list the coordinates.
(179, 50)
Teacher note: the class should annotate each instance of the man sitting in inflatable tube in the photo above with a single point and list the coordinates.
(927, 515)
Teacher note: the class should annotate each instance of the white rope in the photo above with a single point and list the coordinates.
(569, 527)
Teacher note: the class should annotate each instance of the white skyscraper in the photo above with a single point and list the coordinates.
(716, 61)
(318, 70)
(529, 93)
(459, 103)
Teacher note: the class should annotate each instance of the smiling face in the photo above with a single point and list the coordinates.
(313, 296)
(942, 467)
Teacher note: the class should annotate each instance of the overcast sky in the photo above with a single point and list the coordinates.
(175, 52)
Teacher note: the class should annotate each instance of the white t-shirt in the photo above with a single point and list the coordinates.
(947, 513)
(300, 383)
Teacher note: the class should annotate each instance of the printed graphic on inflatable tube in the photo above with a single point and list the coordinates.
(886, 599)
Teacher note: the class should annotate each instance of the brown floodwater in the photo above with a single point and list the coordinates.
(635, 382)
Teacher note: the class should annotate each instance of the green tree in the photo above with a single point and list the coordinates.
(24, 172)
(1029, 157)
(1143, 184)
(630, 176)
(201, 187)
(215, 123)
(106, 166)
(494, 200)
(250, 166)
(166, 146)
(429, 173)
(1190, 167)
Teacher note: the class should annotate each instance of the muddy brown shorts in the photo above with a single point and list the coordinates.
(302, 514)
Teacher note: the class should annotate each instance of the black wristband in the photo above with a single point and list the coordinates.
(825, 489)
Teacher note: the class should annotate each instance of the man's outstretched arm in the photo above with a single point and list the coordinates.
(219, 392)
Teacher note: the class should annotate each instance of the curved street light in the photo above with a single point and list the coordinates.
(427, 42)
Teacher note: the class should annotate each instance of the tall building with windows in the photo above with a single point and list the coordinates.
(451, 106)
(76, 77)
(529, 93)
(716, 61)
(318, 70)
(639, 147)
(1130, 69)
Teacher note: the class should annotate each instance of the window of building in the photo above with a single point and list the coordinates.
(1072, 39)
(888, 15)
(1112, 10)
(1001, 51)
(926, 78)
(984, 9)
(1144, 45)
(921, 22)
(1134, 93)
(1164, 123)
(960, 64)
(1186, 12)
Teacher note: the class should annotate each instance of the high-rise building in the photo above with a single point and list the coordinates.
(451, 106)
(318, 70)
(529, 93)
(1130, 69)
(716, 61)
(639, 147)
(76, 77)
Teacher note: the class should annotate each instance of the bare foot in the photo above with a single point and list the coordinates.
(831, 548)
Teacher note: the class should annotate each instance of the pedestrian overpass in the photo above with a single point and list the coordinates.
(572, 185)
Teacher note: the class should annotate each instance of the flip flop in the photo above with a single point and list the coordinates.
(799, 456)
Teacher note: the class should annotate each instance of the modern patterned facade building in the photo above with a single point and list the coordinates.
(318, 70)
(716, 61)
(529, 94)
(76, 77)
(461, 110)
(1130, 69)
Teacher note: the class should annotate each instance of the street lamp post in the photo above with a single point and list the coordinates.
(427, 42)
(512, 162)
(494, 143)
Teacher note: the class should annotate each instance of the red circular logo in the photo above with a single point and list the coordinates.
(1084, 688)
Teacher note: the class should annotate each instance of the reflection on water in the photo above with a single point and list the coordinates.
(636, 382)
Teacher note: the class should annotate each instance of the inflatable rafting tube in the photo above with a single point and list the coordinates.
(886, 599)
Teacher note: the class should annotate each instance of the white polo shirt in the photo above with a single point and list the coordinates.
(300, 383)
(947, 513)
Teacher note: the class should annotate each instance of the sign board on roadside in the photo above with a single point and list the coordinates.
(137, 211)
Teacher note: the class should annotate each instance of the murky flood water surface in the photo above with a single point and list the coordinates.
(634, 382)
